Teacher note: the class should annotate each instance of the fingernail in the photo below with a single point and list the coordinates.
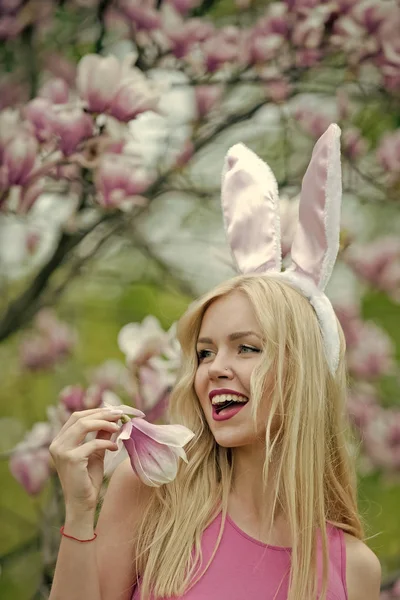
(116, 411)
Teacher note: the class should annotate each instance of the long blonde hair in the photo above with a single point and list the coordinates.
(315, 479)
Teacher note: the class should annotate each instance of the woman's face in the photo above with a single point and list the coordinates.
(228, 349)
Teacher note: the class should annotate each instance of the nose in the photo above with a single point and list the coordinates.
(218, 369)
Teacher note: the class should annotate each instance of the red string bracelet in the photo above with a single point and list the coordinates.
(71, 537)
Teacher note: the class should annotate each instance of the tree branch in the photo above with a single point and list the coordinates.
(101, 10)
(25, 306)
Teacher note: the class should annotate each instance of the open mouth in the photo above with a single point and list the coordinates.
(220, 407)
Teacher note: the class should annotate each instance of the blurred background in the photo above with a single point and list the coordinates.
(115, 118)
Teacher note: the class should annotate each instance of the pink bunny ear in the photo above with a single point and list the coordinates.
(316, 241)
(249, 196)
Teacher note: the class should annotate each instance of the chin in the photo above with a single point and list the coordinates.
(234, 439)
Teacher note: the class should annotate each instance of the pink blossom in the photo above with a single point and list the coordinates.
(378, 263)
(142, 14)
(362, 404)
(9, 127)
(97, 81)
(55, 90)
(39, 112)
(30, 460)
(31, 469)
(263, 48)
(221, 48)
(19, 159)
(72, 397)
(381, 438)
(350, 319)
(153, 385)
(134, 96)
(110, 86)
(154, 450)
(308, 57)
(354, 144)
(373, 354)
(71, 126)
(313, 122)
(181, 35)
(120, 180)
(207, 97)
(51, 341)
(140, 341)
(278, 90)
(388, 154)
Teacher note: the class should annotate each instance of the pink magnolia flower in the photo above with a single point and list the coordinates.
(207, 97)
(373, 355)
(378, 263)
(9, 127)
(72, 397)
(141, 14)
(30, 460)
(120, 181)
(221, 48)
(31, 469)
(154, 384)
(154, 450)
(135, 95)
(71, 126)
(140, 341)
(354, 144)
(181, 35)
(19, 159)
(97, 81)
(108, 85)
(313, 123)
(381, 438)
(39, 113)
(51, 342)
(55, 90)
(388, 154)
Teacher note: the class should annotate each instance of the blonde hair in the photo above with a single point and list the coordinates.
(314, 474)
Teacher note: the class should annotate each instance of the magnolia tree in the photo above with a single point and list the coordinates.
(79, 75)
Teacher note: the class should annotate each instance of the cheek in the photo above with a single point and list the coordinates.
(200, 385)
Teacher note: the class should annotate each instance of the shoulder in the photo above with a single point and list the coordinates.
(125, 499)
(363, 570)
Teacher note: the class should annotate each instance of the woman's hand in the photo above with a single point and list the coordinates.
(80, 464)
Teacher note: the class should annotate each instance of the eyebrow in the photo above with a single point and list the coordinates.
(232, 336)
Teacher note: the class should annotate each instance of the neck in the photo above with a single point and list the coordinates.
(248, 488)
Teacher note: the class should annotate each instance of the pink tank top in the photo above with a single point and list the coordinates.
(244, 568)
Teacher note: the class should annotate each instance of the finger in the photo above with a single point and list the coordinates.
(86, 450)
(76, 434)
(103, 413)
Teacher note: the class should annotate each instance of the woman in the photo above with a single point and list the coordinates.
(266, 507)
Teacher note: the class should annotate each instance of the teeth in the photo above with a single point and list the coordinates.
(222, 398)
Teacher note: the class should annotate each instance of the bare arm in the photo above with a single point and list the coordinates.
(363, 571)
(101, 569)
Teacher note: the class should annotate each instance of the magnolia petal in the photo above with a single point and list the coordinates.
(160, 463)
(155, 465)
(168, 435)
(125, 431)
(135, 463)
(128, 410)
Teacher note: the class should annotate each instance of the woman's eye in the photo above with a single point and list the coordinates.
(202, 354)
(247, 349)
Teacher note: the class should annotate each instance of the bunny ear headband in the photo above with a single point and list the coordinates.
(250, 205)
